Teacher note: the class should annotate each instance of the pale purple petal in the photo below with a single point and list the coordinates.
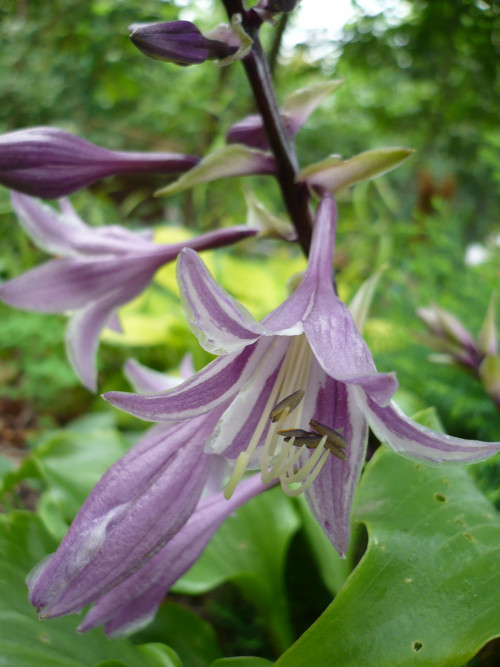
(85, 326)
(133, 603)
(69, 284)
(221, 324)
(145, 380)
(51, 231)
(212, 386)
(108, 542)
(330, 496)
(243, 410)
(405, 436)
(341, 350)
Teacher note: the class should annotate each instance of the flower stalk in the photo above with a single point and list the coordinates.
(295, 195)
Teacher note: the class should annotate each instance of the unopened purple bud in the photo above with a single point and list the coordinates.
(178, 42)
(48, 162)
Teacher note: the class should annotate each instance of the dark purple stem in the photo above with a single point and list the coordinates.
(295, 196)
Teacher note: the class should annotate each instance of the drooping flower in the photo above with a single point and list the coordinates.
(132, 604)
(98, 271)
(48, 162)
(300, 389)
(139, 505)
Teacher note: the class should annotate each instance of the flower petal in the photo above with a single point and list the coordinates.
(330, 497)
(239, 421)
(134, 602)
(341, 350)
(108, 542)
(394, 428)
(145, 379)
(69, 284)
(210, 388)
(85, 326)
(221, 324)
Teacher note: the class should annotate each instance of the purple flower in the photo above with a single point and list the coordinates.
(48, 162)
(136, 508)
(297, 391)
(179, 42)
(132, 604)
(143, 525)
(97, 272)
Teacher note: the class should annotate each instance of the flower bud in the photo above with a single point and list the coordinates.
(48, 162)
(179, 42)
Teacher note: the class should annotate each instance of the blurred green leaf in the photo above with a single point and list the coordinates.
(71, 461)
(192, 638)
(426, 591)
(245, 661)
(26, 641)
(250, 550)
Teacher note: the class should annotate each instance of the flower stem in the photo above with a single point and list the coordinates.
(295, 195)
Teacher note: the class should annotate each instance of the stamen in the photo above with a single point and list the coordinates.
(301, 474)
(241, 465)
(305, 485)
(301, 437)
(334, 435)
(290, 402)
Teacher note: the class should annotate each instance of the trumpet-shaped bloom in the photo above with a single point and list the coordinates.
(305, 366)
(139, 505)
(132, 604)
(97, 271)
(48, 162)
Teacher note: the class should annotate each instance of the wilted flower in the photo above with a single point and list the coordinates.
(48, 162)
(98, 270)
(295, 392)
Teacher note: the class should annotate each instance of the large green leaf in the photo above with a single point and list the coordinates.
(427, 590)
(250, 549)
(24, 640)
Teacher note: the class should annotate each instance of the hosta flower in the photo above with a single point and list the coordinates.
(133, 603)
(295, 392)
(97, 271)
(137, 507)
(48, 162)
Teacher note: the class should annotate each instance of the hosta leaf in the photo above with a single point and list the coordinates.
(427, 590)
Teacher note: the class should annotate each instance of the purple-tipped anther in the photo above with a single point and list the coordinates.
(48, 162)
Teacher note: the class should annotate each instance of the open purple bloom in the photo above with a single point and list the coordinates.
(97, 272)
(48, 162)
(132, 604)
(300, 389)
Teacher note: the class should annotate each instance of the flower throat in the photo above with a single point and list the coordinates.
(284, 453)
